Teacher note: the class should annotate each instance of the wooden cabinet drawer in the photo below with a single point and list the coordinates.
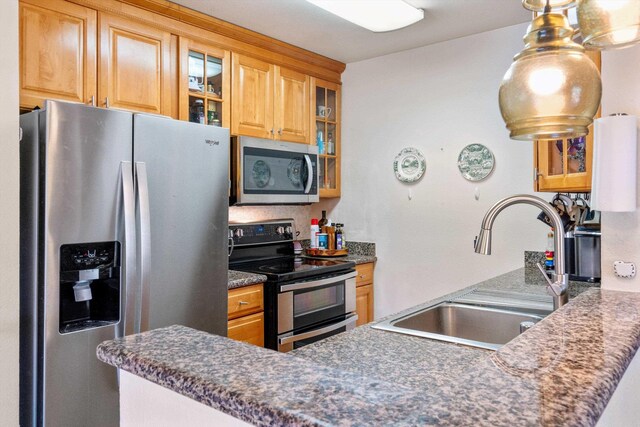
(248, 329)
(364, 274)
(244, 301)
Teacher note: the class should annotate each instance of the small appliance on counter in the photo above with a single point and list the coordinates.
(585, 266)
(306, 299)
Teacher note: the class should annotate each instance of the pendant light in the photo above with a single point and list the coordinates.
(539, 5)
(609, 24)
(552, 89)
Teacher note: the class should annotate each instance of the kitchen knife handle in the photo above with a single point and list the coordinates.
(310, 174)
(126, 180)
(144, 243)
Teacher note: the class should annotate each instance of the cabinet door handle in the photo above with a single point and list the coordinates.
(243, 303)
(106, 102)
(271, 131)
(92, 101)
(280, 131)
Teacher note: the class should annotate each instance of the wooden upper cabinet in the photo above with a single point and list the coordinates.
(205, 83)
(135, 66)
(269, 101)
(291, 106)
(252, 100)
(565, 165)
(326, 128)
(58, 52)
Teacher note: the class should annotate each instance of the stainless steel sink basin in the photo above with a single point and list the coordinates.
(473, 325)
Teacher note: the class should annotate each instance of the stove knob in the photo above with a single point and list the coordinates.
(289, 230)
(239, 232)
(280, 230)
(230, 234)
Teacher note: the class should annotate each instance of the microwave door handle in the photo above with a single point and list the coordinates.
(131, 297)
(310, 174)
(293, 338)
(144, 258)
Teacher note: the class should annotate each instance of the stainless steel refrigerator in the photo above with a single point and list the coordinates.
(124, 225)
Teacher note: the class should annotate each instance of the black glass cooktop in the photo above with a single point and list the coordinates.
(288, 268)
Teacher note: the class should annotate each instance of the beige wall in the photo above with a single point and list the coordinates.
(620, 231)
(9, 188)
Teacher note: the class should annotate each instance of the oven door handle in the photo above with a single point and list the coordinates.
(316, 283)
(293, 338)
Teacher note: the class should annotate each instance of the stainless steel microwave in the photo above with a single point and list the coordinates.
(266, 172)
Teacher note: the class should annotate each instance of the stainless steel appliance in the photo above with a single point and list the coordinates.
(123, 229)
(273, 172)
(586, 266)
(306, 299)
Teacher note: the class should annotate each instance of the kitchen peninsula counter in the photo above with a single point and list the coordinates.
(563, 371)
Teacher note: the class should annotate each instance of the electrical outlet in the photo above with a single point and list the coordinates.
(626, 270)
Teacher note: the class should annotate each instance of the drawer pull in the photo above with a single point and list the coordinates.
(362, 276)
(243, 303)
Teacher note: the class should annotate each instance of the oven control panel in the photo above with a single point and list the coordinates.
(261, 233)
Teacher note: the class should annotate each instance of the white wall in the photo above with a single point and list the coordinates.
(620, 231)
(9, 188)
(438, 98)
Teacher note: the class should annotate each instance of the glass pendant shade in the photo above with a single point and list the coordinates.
(552, 89)
(539, 5)
(609, 24)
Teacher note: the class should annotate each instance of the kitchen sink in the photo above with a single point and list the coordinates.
(487, 325)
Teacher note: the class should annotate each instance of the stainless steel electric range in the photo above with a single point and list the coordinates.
(306, 299)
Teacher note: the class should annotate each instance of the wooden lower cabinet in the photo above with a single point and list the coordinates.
(364, 293)
(246, 314)
(364, 304)
(249, 329)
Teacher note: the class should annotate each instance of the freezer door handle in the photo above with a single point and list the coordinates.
(144, 244)
(129, 312)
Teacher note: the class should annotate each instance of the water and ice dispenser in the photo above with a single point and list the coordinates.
(89, 285)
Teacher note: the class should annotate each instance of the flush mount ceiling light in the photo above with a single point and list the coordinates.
(552, 89)
(375, 15)
(609, 24)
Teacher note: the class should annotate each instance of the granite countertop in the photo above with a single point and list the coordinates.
(238, 279)
(561, 372)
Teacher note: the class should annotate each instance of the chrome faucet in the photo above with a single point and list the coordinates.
(559, 286)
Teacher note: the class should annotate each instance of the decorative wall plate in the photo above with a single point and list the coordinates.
(409, 165)
(475, 162)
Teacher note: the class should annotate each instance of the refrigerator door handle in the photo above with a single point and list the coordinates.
(144, 244)
(126, 179)
(310, 174)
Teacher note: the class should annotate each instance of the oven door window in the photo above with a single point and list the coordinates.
(277, 172)
(318, 304)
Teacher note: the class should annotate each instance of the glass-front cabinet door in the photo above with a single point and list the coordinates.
(564, 164)
(325, 117)
(204, 83)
